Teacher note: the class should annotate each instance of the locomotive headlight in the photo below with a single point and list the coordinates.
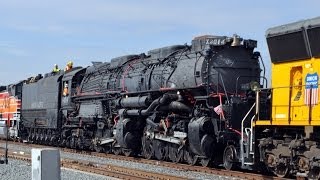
(254, 85)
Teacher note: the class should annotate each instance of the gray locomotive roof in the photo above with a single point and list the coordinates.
(69, 75)
(293, 27)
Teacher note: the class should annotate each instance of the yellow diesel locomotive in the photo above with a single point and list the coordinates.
(282, 131)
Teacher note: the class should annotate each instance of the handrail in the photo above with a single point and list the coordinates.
(283, 87)
(308, 104)
(245, 117)
(251, 137)
(242, 128)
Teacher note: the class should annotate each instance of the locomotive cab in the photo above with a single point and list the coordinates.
(70, 87)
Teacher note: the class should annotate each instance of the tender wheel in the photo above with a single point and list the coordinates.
(161, 151)
(229, 157)
(33, 138)
(42, 139)
(37, 139)
(147, 147)
(73, 142)
(46, 140)
(55, 141)
(175, 154)
(50, 142)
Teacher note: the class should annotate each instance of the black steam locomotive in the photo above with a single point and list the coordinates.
(178, 103)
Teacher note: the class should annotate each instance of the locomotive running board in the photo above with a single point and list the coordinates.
(106, 141)
(168, 139)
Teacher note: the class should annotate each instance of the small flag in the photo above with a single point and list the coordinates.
(311, 89)
(218, 109)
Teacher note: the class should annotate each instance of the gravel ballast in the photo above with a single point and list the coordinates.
(140, 166)
(21, 170)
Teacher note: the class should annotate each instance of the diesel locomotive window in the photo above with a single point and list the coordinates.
(314, 40)
(287, 47)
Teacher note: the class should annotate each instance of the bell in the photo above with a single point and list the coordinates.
(236, 40)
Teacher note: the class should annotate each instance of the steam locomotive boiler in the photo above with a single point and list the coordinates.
(182, 103)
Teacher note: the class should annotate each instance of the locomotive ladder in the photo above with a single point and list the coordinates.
(247, 139)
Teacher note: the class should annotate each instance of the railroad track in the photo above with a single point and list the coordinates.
(102, 169)
(185, 167)
(215, 171)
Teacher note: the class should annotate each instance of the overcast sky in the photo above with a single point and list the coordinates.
(36, 34)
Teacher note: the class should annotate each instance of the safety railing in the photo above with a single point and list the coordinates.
(246, 142)
(309, 94)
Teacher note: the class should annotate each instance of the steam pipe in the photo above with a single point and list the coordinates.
(175, 105)
(166, 98)
(151, 123)
(132, 102)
